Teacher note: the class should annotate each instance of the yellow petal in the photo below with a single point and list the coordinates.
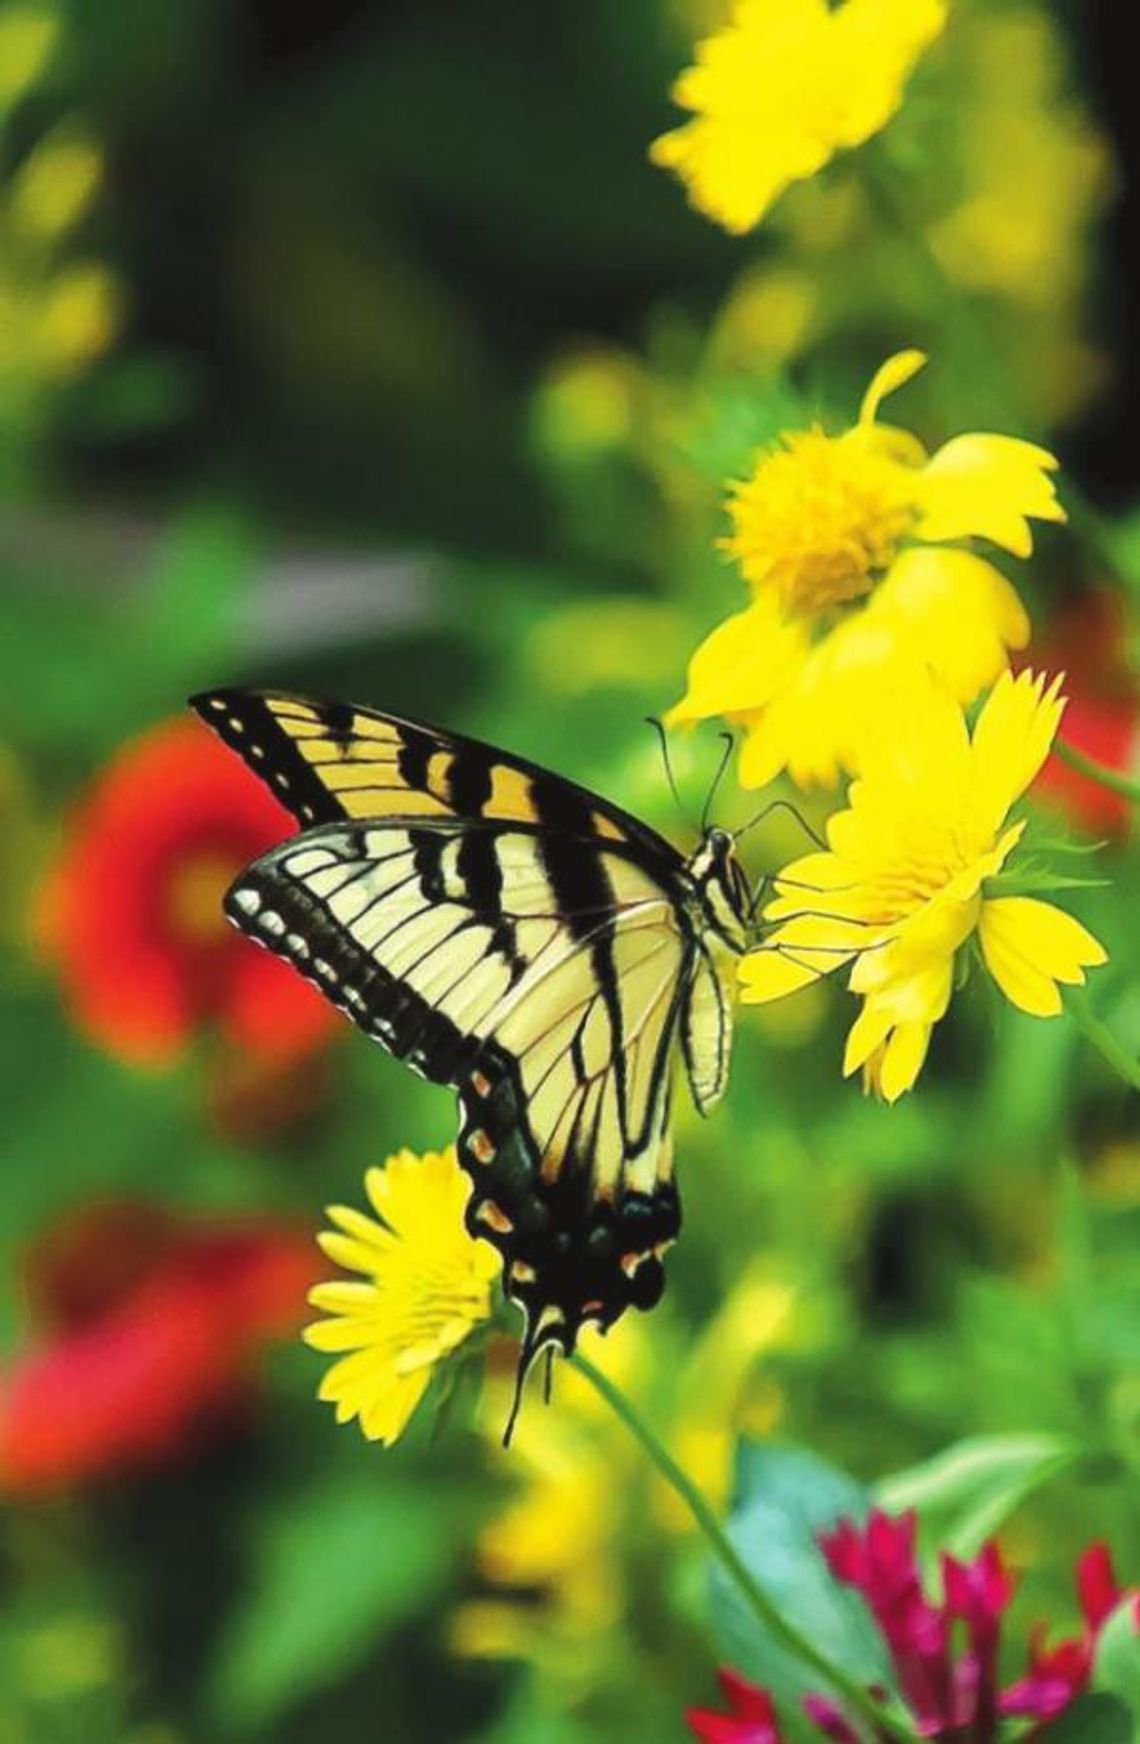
(955, 613)
(765, 974)
(887, 379)
(875, 45)
(1011, 740)
(988, 487)
(343, 1250)
(868, 1032)
(902, 1060)
(813, 876)
(341, 1333)
(1030, 946)
(742, 665)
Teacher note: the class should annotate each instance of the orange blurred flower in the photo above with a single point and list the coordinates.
(145, 1331)
(131, 913)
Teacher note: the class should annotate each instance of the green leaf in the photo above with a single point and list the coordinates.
(1094, 1719)
(1117, 1667)
(1031, 881)
(785, 1498)
(333, 1571)
(966, 1492)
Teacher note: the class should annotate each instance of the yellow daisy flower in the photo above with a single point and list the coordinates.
(424, 1285)
(847, 544)
(903, 883)
(783, 87)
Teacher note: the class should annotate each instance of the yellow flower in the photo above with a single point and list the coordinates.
(783, 87)
(425, 1285)
(1033, 170)
(902, 885)
(551, 1560)
(55, 186)
(27, 37)
(845, 541)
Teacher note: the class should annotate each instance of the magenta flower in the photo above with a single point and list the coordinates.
(944, 1650)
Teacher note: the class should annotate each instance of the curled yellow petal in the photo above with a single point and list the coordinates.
(887, 379)
(1030, 946)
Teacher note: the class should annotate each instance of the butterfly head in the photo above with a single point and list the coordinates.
(722, 891)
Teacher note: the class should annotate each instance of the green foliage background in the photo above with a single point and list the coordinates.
(333, 447)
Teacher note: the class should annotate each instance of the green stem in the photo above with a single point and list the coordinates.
(767, 1614)
(1113, 1052)
(1111, 778)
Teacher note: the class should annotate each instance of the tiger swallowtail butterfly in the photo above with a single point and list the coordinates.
(508, 933)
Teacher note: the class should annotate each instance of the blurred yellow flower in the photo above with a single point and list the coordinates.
(55, 185)
(28, 34)
(723, 1391)
(551, 1570)
(1033, 168)
(902, 886)
(424, 1285)
(554, 1543)
(783, 87)
(55, 318)
(845, 541)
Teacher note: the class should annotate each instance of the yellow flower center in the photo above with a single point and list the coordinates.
(194, 898)
(821, 519)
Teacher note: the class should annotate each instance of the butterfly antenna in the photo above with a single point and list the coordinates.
(787, 805)
(659, 728)
(729, 742)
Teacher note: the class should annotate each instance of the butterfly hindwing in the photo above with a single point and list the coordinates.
(540, 976)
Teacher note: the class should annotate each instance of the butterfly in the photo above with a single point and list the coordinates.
(506, 932)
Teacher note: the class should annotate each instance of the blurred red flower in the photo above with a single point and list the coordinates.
(944, 1653)
(1087, 642)
(145, 1334)
(131, 914)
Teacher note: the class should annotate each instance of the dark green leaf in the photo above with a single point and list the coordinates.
(1095, 1719)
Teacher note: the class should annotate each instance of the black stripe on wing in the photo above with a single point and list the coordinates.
(472, 780)
(282, 915)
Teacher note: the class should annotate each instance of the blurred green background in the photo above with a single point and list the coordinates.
(358, 349)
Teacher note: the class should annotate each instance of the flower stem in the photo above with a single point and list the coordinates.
(1095, 1031)
(1111, 778)
(766, 1612)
